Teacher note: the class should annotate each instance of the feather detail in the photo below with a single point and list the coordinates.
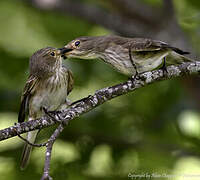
(27, 93)
(70, 79)
(31, 136)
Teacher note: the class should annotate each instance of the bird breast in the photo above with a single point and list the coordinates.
(118, 58)
(52, 92)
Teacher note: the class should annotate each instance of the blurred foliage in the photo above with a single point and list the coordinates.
(195, 4)
(153, 130)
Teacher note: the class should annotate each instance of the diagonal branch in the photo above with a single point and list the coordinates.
(138, 16)
(94, 14)
(101, 96)
(49, 147)
(87, 104)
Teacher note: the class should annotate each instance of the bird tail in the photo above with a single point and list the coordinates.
(31, 136)
(179, 51)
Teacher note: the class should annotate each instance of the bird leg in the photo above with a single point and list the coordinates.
(132, 62)
(164, 67)
(52, 114)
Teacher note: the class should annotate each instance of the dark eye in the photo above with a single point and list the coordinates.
(52, 54)
(77, 43)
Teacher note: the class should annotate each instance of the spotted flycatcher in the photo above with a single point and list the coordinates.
(47, 87)
(127, 55)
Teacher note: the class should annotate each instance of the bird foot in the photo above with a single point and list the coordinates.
(164, 68)
(68, 102)
(134, 77)
(52, 114)
(165, 72)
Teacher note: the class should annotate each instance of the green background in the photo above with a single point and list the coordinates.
(153, 130)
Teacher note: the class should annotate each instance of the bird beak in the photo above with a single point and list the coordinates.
(63, 51)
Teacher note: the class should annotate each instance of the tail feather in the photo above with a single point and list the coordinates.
(179, 51)
(31, 136)
(25, 156)
(23, 109)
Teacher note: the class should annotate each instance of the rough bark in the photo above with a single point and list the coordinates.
(89, 103)
(101, 96)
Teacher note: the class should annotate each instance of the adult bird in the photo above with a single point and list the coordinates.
(47, 87)
(127, 55)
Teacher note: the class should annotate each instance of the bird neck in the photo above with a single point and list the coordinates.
(57, 66)
(47, 70)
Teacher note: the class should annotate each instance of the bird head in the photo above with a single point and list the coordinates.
(82, 47)
(46, 60)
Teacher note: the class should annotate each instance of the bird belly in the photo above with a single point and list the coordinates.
(125, 69)
(144, 64)
(51, 96)
(119, 61)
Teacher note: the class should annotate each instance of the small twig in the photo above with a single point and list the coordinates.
(34, 145)
(49, 146)
(28, 142)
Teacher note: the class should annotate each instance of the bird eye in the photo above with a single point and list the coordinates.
(52, 54)
(77, 43)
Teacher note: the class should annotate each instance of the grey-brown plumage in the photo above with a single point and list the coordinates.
(48, 85)
(146, 54)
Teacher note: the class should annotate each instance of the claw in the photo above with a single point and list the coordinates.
(164, 67)
(52, 114)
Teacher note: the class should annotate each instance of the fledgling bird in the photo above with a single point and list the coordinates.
(47, 87)
(127, 55)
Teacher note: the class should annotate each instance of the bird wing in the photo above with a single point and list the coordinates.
(27, 93)
(70, 81)
(142, 45)
(139, 45)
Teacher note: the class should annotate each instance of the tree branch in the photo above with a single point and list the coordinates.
(94, 14)
(101, 96)
(49, 146)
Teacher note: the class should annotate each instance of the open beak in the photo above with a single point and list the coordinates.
(63, 52)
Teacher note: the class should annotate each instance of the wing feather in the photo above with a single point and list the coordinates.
(70, 82)
(142, 45)
(139, 44)
(27, 93)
